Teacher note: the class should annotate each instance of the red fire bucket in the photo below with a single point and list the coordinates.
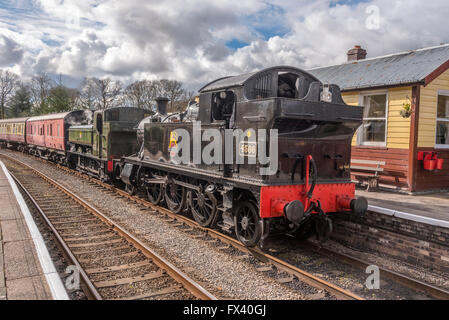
(430, 165)
(440, 163)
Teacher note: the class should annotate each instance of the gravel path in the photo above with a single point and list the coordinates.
(225, 274)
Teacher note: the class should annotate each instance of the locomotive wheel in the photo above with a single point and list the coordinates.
(204, 210)
(155, 193)
(175, 197)
(248, 225)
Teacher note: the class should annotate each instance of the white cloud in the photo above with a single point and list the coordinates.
(10, 51)
(186, 40)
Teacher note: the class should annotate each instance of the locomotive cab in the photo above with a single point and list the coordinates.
(314, 133)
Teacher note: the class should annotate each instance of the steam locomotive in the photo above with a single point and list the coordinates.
(259, 153)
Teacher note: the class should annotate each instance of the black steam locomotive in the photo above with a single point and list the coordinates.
(268, 150)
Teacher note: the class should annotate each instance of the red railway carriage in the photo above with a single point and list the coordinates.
(12, 132)
(47, 135)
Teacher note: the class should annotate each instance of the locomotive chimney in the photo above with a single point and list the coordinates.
(162, 105)
(357, 53)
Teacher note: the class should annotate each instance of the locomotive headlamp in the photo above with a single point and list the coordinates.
(223, 95)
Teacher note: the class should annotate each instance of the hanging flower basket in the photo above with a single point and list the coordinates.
(406, 111)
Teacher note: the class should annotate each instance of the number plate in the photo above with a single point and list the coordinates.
(248, 149)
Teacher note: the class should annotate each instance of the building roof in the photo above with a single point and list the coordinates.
(411, 67)
(240, 80)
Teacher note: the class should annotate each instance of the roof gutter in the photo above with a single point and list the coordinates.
(378, 87)
(436, 73)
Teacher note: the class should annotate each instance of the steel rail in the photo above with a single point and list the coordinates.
(88, 287)
(304, 276)
(409, 282)
(193, 287)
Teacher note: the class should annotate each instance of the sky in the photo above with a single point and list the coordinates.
(198, 41)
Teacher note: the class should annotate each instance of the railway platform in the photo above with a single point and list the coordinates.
(428, 209)
(26, 269)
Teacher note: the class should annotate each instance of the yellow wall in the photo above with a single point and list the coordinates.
(398, 128)
(428, 110)
(351, 98)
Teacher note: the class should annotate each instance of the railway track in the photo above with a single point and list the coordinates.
(384, 273)
(270, 260)
(267, 259)
(112, 263)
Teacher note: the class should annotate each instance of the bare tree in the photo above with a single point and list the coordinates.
(40, 90)
(109, 92)
(181, 103)
(141, 94)
(99, 93)
(173, 90)
(8, 82)
(88, 94)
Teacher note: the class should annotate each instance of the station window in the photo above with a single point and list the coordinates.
(373, 132)
(442, 134)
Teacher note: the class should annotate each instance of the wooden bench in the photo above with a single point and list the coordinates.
(367, 170)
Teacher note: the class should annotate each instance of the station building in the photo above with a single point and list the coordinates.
(406, 119)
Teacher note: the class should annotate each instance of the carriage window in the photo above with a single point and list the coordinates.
(99, 123)
(51, 130)
(58, 130)
(288, 85)
(222, 105)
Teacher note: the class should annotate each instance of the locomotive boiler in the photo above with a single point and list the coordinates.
(288, 167)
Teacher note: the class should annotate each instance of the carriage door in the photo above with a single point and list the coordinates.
(98, 134)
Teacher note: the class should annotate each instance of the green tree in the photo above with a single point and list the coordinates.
(20, 103)
(61, 99)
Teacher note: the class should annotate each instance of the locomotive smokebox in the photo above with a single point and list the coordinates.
(161, 103)
(294, 211)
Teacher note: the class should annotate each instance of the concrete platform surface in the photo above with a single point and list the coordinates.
(434, 206)
(21, 273)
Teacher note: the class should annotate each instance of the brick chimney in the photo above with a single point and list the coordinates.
(357, 53)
